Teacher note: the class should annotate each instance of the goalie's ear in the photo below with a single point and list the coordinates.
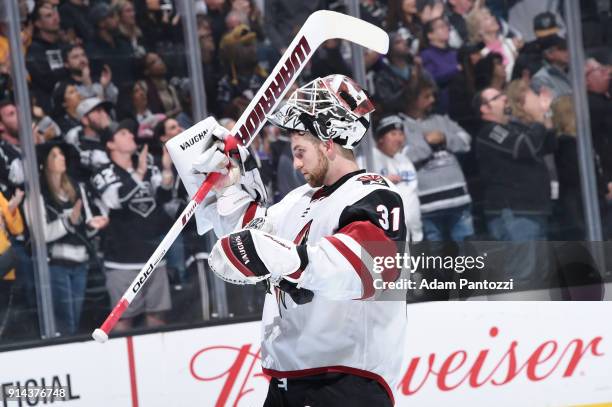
(187, 146)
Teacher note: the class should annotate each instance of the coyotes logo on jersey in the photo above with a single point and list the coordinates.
(372, 179)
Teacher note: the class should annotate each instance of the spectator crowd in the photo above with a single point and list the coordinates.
(474, 124)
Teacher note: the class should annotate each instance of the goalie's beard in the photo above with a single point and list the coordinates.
(316, 177)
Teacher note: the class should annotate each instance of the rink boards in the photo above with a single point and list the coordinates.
(469, 353)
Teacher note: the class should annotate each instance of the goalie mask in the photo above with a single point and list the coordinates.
(331, 108)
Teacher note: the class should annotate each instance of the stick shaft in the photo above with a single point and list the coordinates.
(158, 254)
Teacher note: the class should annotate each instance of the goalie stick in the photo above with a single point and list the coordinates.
(321, 26)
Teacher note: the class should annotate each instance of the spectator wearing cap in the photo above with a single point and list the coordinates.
(439, 59)
(87, 138)
(391, 162)
(432, 144)
(162, 97)
(395, 72)
(456, 12)
(554, 73)
(44, 57)
(71, 220)
(134, 190)
(242, 74)
(79, 73)
(65, 100)
(530, 60)
(483, 26)
(108, 47)
(74, 15)
(535, 18)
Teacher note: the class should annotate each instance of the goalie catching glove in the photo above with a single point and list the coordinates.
(250, 256)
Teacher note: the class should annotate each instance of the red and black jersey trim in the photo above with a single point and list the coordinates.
(240, 251)
(373, 240)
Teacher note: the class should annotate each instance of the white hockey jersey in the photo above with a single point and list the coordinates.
(335, 332)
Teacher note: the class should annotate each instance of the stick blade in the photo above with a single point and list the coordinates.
(332, 24)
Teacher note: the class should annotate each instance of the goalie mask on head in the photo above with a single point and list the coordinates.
(331, 108)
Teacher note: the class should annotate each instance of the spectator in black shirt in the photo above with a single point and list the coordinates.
(283, 18)
(11, 166)
(44, 57)
(463, 87)
(530, 59)
(162, 97)
(128, 27)
(210, 64)
(65, 100)
(571, 215)
(489, 72)
(108, 46)
(515, 179)
(75, 20)
(600, 110)
(328, 60)
(456, 12)
(159, 23)
(71, 219)
(135, 190)
(95, 124)
(394, 73)
(404, 13)
(79, 74)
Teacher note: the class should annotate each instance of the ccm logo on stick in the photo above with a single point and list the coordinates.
(143, 278)
(281, 82)
(187, 216)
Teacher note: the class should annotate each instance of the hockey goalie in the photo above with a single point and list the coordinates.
(325, 340)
